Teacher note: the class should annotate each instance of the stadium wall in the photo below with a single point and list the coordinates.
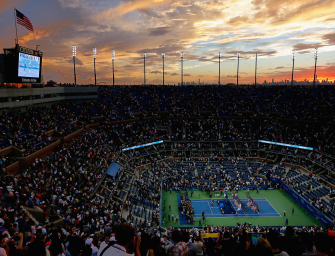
(72, 135)
(47, 95)
(303, 203)
(42, 153)
(13, 168)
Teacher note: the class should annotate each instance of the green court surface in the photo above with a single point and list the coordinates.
(278, 199)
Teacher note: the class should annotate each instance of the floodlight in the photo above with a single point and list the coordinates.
(219, 54)
(182, 55)
(238, 55)
(144, 55)
(94, 53)
(113, 54)
(293, 55)
(163, 54)
(74, 51)
(316, 57)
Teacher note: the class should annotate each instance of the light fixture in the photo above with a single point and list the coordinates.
(74, 50)
(94, 53)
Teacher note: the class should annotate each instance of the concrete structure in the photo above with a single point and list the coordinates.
(28, 97)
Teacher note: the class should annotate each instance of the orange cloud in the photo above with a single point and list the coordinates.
(7, 4)
(43, 32)
(130, 6)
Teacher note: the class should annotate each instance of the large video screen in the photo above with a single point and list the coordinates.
(29, 65)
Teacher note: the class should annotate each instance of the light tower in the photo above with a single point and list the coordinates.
(316, 58)
(113, 58)
(144, 56)
(219, 65)
(238, 65)
(293, 59)
(94, 57)
(163, 56)
(181, 59)
(256, 55)
(74, 54)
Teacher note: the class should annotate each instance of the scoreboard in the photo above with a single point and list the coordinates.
(22, 65)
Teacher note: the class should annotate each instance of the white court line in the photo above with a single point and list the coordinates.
(235, 207)
(238, 216)
(210, 207)
(273, 207)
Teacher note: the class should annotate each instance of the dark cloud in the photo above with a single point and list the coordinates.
(187, 75)
(279, 67)
(156, 72)
(160, 31)
(302, 46)
(330, 38)
(251, 54)
(78, 61)
(174, 74)
(171, 50)
(150, 13)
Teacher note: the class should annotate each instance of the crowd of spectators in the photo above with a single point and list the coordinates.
(62, 183)
(120, 238)
(186, 208)
(27, 130)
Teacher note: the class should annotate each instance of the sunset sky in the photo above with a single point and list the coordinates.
(200, 29)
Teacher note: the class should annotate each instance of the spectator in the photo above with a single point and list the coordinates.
(126, 243)
(196, 248)
(263, 248)
(180, 247)
(156, 248)
(321, 244)
(87, 250)
(273, 239)
(105, 242)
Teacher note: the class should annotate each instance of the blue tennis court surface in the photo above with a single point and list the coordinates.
(200, 205)
(265, 208)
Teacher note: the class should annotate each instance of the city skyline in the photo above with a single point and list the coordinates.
(199, 29)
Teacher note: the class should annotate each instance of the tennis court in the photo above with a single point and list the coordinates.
(271, 203)
(266, 209)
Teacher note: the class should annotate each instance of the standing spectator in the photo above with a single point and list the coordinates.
(285, 212)
(210, 246)
(126, 241)
(180, 248)
(196, 248)
(321, 243)
(105, 242)
(94, 247)
(87, 251)
(273, 239)
(263, 248)
(156, 248)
